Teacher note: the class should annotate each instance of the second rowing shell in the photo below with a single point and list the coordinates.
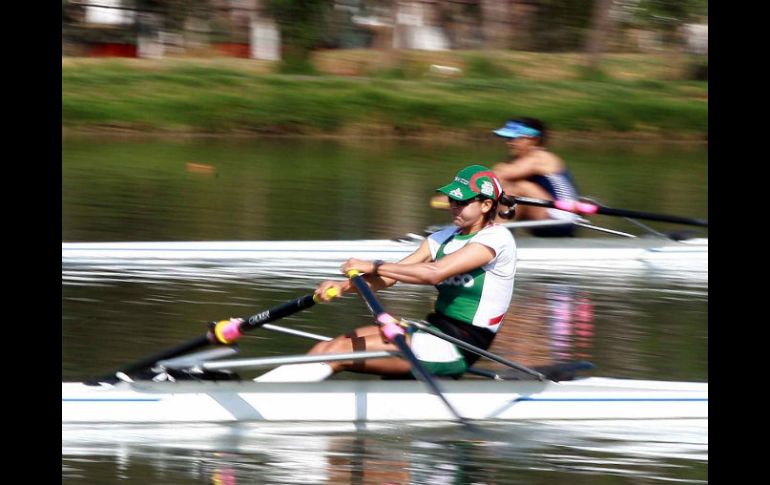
(563, 254)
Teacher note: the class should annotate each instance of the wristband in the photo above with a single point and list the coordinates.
(376, 266)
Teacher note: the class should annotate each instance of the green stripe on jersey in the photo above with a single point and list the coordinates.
(459, 296)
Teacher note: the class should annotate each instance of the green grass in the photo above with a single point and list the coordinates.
(190, 96)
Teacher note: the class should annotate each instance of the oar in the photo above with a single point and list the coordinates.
(224, 332)
(472, 348)
(589, 208)
(394, 333)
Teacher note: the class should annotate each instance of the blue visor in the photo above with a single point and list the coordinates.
(513, 129)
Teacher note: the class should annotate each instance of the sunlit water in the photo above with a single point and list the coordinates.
(580, 452)
(649, 325)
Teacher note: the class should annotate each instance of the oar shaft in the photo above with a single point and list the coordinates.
(275, 313)
(395, 334)
(228, 331)
(146, 362)
(475, 350)
(587, 208)
(224, 332)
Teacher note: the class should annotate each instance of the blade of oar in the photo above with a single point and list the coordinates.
(589, 208)
(395, 334)
(224, 332)
(472, 348)
(439, 204)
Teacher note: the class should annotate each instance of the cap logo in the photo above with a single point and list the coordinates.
(487, 188)
(456, 193)
(490, 187)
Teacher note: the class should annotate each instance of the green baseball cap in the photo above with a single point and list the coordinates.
(471, 182)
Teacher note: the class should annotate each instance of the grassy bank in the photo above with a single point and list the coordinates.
(375, 93)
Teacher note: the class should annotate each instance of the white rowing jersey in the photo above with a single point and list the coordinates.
(480, 297)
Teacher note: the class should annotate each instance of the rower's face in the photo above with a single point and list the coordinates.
(518, 147)
(466, 214)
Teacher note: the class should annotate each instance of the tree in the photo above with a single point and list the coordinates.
(597, 36)
(301, 24)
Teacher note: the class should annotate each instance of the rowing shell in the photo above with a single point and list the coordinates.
(563, 254)
(373, 400)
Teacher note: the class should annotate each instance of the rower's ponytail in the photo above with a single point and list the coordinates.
(509, 202)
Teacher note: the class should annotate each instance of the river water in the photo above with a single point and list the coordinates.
(648, 324)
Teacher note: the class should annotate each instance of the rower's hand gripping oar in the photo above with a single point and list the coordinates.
(224, 332)
(395, 333)
(590, 208)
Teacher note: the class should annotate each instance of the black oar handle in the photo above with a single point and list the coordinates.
(588, 208)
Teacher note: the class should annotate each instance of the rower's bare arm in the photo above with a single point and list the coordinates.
(541, 162)
(420, 255)
(380, 281)
(375, 282)
(520, 169)
(466, 259)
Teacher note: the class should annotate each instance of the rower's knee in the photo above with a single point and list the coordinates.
(339, 345)
(327, 347)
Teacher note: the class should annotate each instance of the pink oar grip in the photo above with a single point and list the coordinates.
(576, 207)
(565, 205)
(390, 327)
(228, 331)
(586, 208)
(390, 331)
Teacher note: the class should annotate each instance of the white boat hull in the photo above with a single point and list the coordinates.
(369, 400)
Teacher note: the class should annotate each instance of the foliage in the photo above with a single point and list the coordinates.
(175, 12)
(219, 99)
(666, 15)
(673, 11)
(484, 67)
(591, 73)
(300, 21)
(561, 25)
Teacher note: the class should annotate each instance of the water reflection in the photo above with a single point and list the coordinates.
(580, 452)
(547, 323)
(636, 328)
(641, 327)
(632, 321)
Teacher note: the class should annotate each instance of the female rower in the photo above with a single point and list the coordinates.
(472, 265)
(533, 171)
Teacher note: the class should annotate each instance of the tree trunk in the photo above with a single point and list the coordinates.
(597, 36)
(495, 26)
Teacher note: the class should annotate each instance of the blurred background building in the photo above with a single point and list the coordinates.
(264, 29)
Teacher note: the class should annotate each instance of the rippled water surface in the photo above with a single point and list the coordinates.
(636, 324)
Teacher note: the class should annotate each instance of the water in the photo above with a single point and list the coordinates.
(514, 453)
(650, 325)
